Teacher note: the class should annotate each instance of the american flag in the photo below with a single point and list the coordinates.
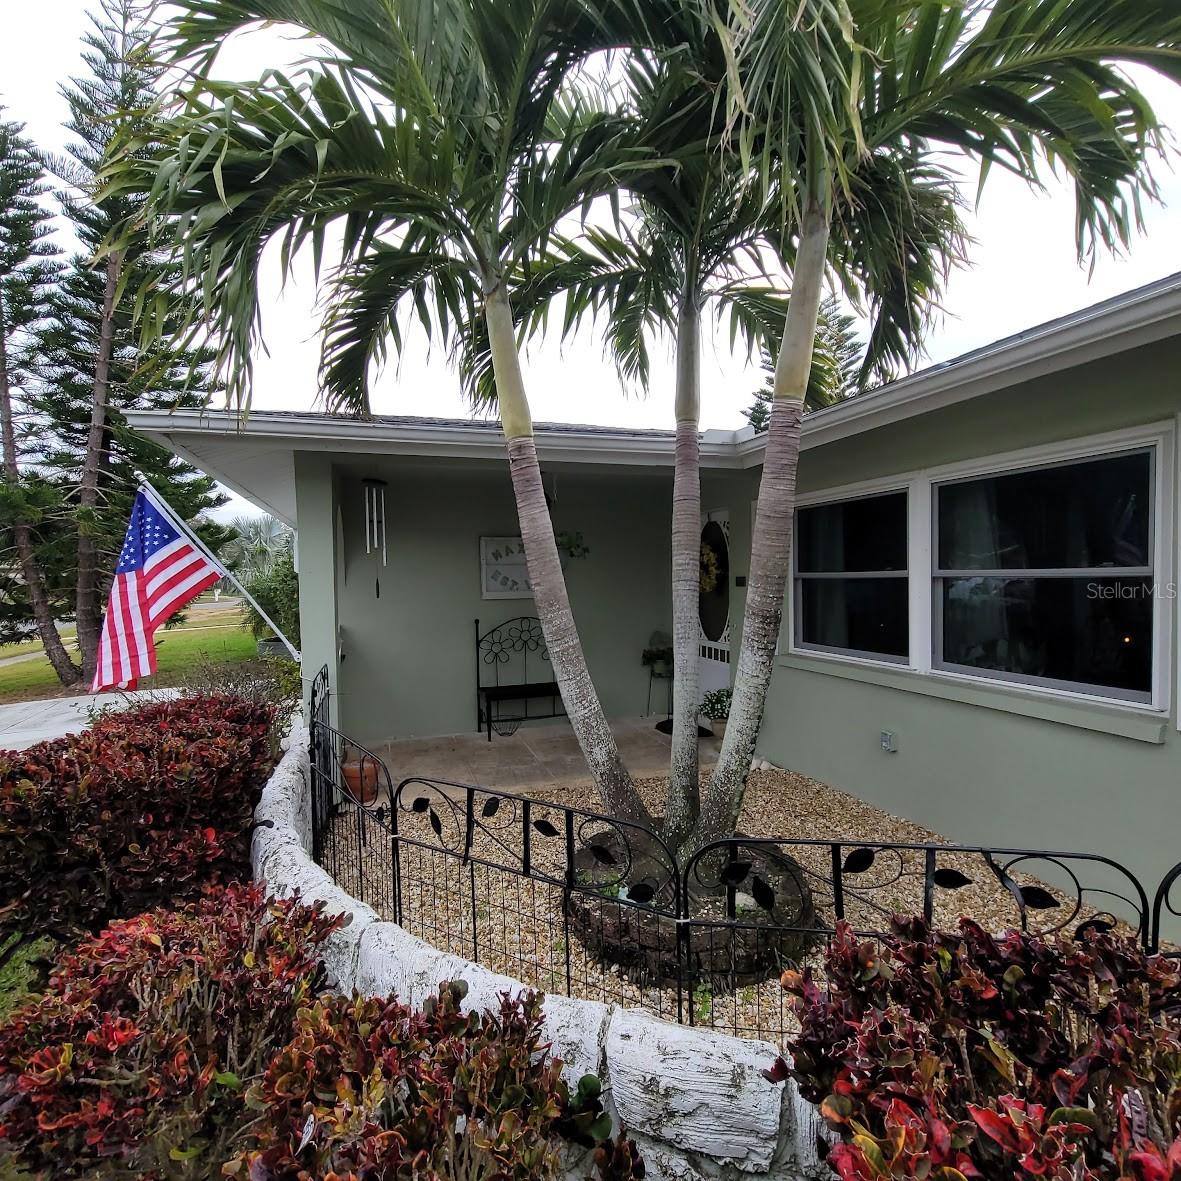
(159, 571)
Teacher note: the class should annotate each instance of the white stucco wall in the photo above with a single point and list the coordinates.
(695, 1101)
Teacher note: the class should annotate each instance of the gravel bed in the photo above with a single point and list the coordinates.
(478, 908)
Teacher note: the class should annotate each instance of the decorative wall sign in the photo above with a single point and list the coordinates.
(503, 573)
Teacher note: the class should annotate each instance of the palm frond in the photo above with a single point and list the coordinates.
(755, 315)
(449, 120)
(897, 237)
(1021, 84)
(794, 90)
(626, 281)
(284, 161)
(367, 303)
(1017, 83)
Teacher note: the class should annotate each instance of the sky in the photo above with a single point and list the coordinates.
(1023, 270)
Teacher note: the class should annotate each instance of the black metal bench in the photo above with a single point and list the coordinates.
(513, 665)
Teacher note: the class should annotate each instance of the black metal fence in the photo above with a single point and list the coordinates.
(572, 901)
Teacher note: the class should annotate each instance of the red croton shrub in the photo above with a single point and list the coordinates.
(199, 1043)
(137, 1056)
(947, 1056)
(144, 808)
(370, 1089)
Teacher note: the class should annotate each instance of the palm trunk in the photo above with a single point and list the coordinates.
(684, 787)
(771, 544)
(42, 610)
(545, 572)
(87, 607)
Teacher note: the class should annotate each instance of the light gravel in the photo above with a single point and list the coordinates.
(478, 908)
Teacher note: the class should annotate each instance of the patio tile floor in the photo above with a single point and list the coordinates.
(536, 754)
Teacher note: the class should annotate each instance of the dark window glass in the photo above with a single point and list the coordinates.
(1083, 630)
(853, 535)
(1077, 516)
(858, 614)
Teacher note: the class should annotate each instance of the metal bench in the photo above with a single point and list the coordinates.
(513, 665)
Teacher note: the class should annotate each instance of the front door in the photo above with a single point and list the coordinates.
(714, 600)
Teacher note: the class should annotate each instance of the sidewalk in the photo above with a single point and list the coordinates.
(24, 722)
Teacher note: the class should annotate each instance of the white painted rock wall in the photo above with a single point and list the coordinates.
(694, 1101)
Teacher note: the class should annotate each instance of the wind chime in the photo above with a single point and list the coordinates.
(374, 491)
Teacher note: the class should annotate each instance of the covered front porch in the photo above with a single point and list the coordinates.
(406, 529)
(422, 611)
(537, 755)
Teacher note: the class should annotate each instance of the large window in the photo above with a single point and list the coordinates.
(1049, 574)
(1045, 576)
(851, 577)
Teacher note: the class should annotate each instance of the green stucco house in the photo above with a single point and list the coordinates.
(981, 629)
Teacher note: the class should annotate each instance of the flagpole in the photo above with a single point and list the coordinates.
(175, 518)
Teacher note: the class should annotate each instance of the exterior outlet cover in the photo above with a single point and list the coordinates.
(889, 742)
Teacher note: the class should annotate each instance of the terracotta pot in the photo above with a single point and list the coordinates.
(360, 779)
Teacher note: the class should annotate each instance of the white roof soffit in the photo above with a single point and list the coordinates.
(231, 448)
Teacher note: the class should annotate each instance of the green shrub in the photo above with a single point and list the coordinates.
(20, 971)
(277, 592)
(716, 704)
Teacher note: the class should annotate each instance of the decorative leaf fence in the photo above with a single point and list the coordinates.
(572, 901)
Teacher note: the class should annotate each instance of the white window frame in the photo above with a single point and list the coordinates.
(796, 616)
(1142, 697)
(920, 484)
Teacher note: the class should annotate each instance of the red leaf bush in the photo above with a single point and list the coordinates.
(199, 1043)
(947, 1056)
(145, 808)
(137, 1055)
(370, 1089)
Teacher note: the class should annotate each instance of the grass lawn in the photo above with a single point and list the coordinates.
(207, 637)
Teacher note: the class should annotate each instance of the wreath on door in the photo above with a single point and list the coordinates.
(710, 568)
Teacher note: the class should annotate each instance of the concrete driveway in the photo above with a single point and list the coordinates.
(24, 722)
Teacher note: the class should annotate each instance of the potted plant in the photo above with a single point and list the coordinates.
(360, 776)
(659, 660)
(716, 707)
(570, 545)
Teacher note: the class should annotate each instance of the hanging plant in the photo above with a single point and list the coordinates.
(710, 569)
(571, 545)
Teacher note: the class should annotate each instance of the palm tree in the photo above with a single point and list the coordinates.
(1010, 83)
(690, 240)
(700, 236)
(256, 543)
(444, 140)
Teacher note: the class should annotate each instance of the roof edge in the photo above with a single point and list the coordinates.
(1140, 316)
